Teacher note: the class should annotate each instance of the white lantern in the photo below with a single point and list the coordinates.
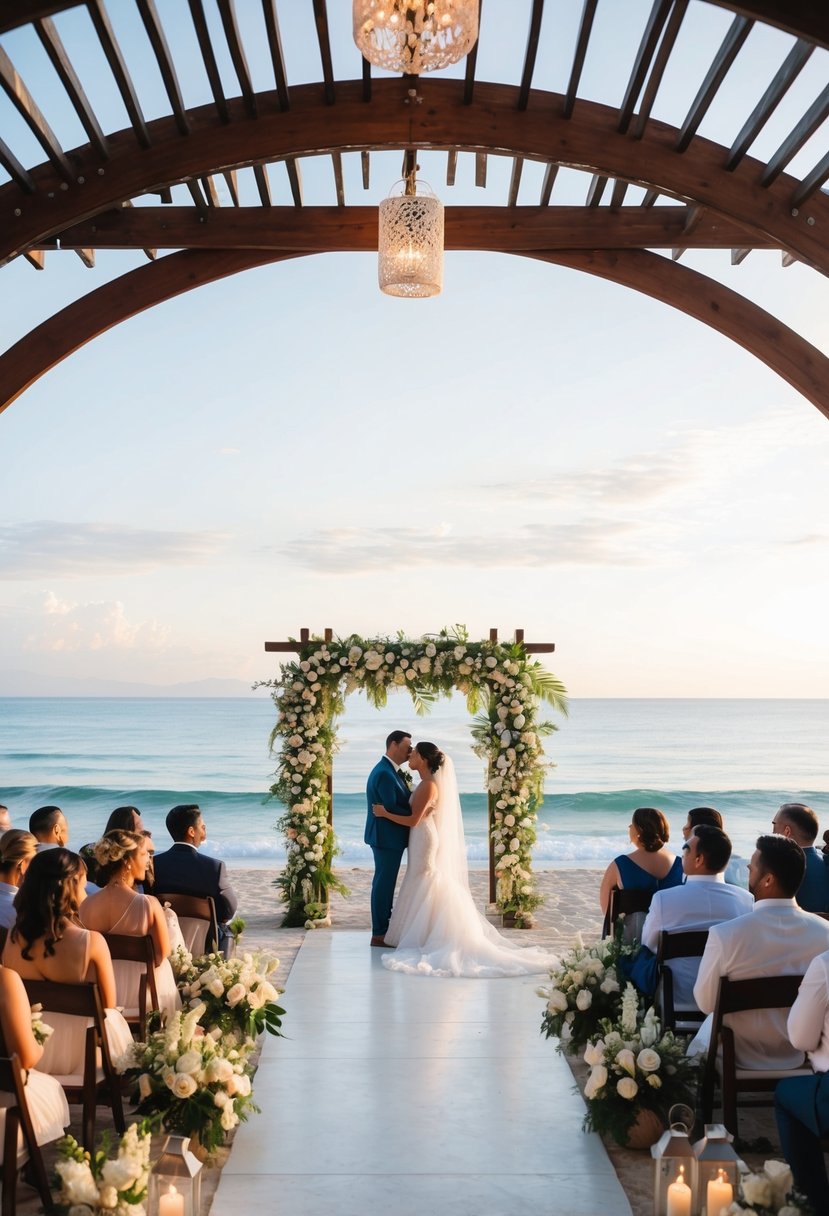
(175, 1181)
(415, 36)
(718, 1169)
(410, 243)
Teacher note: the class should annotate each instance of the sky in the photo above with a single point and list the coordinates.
(533, 449)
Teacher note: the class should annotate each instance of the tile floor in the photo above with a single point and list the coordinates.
(411, 1095)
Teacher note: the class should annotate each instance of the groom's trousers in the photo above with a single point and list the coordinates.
(801, 1107)
(386, 869)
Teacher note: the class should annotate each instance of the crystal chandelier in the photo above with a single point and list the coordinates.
(415, 36)
(410, 244)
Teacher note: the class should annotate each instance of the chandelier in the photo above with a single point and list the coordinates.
(415, 36)
(410, 244)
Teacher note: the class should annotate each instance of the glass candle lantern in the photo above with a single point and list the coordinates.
(175, 1181)
(675, 1174)
(718, 1170)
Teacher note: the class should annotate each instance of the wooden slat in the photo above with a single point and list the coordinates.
(36, 258)
(52, 44)
(365, 167)
(366, 77)
(738, 256)
(550, 175)
(738, 32)
(515, 181)
(208, 185)
(277, 56)
(230, 25)
(787, 260)
(15, 170)
(198, 198)
(231, 179)
(531, 54)
(339, 184)
(811, 182)
(295, 179)
(620, 188)
(647, 48)
(112, 51)
(166, 195)
(595, 190)
(666, 46)
(87, 256)
(650, 198)
(451, 166)
(324, 40)
(793, 64)
(209, 57)
(471, 64)
(585, 28)
(260, 173)
(791, 145)
(26, 106)
(158, 41)
(480, 169)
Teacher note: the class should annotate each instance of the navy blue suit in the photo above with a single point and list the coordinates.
(813, 892)
(183, 870)
(387, 839)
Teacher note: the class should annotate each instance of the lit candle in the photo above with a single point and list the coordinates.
(720, 1194)
(679, 1196)
(171, 1204)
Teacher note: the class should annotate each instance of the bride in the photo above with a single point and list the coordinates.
(435, 926)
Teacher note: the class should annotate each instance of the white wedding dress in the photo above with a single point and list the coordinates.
(435, 926)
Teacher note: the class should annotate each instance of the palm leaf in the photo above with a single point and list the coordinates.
(423, 699)
(548, 688)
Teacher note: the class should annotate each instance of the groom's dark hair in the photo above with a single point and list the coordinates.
(397, 736)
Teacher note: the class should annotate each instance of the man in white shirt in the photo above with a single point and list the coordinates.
(801, 1104)
(704, 899)
(775, 938)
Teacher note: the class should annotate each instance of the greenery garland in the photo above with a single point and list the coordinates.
(497, 678)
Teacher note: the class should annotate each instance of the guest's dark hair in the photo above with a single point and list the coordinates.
(397, 736)
(432, 754)
(713, 846)
(123, 817)
(705, 814)
(782, 857)
(112, 852)
(181, 818)
(652, 827)
(802, 818)
(43, 820)
(45, 901)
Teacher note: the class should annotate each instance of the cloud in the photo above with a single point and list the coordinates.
(810, 538)
(356, 550)
(52, 549)
(99, 625)
(639, 479)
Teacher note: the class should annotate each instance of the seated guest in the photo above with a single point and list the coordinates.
(776, 938)
(703, 900)
(17, 849)
(5, 819)
(118, 908)
(49, 827)
(44, 1095)
(736, 872)
(801, 1104)
(650, 867)
(182, 870)
(47, 943)
(127, 818)
(799, 823)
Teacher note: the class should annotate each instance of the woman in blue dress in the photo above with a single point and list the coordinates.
(651, 866)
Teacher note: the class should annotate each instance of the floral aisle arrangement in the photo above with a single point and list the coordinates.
(237, 993)
(584, 991)
(198, 1083)
(92, 1184)
(770, 1193)
(634, 1067)
(495, 677)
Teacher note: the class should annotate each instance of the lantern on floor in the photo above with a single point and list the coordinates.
(175, 1181)
(415, 36)
(410, 242)
(718, 1169)
(675, 1169)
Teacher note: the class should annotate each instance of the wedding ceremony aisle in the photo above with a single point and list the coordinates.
(406, 1094)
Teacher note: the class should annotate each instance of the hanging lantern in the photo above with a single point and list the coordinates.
(718, 1169)
(415, 36)
(175, 1181)
(410, 243)
(675, 1169)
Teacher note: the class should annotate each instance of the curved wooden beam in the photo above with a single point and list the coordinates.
(801, 365)
(492, 123)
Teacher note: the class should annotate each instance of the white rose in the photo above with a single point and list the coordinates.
(219, 1069)
(648, 1060)
(190, 1062)
(235, 995)
(594, 1053)
(243, 1086)
(557, 1002)
(183, 1085)
(584, 999)
(514, 845)
(626, 1060)
(220, 1098)
(609, 983)
(627, 1088)
(145, 1087)
(654, 1081)
(216, 988)
(509, 821)
(78, 1183)
(108, 1197)
(229, 1118)
(596, 1081)
(757, 1190)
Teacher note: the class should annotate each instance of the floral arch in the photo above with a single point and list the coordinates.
(502, 686)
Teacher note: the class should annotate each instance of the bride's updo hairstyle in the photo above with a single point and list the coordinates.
(652, 827)
(46, 902)
(432, 754)
(113, 851)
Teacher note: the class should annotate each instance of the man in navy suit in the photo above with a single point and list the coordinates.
(387, 785)
(183, 870)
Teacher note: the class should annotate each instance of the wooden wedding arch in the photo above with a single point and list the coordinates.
(648, 187)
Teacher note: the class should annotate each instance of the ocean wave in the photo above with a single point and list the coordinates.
(571, 849)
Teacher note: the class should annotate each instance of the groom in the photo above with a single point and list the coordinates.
(386, 785)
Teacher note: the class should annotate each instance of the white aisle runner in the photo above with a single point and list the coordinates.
(412, 1096)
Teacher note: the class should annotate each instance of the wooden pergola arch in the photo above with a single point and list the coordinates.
(714, 196)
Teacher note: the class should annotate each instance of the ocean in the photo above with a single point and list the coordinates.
(90, 755)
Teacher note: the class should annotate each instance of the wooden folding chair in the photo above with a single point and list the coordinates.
(625, 902)
(84, 1001)
(688, 943)
(19, 1142)
(197, 917)
(740, 996)
(139, 951)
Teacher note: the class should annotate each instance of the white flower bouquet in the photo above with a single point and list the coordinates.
(92, 1183)
(584, 991)
(634, 1067)
(770, 1193)
(40, 1029)
(237, 993)
(198, 1083)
